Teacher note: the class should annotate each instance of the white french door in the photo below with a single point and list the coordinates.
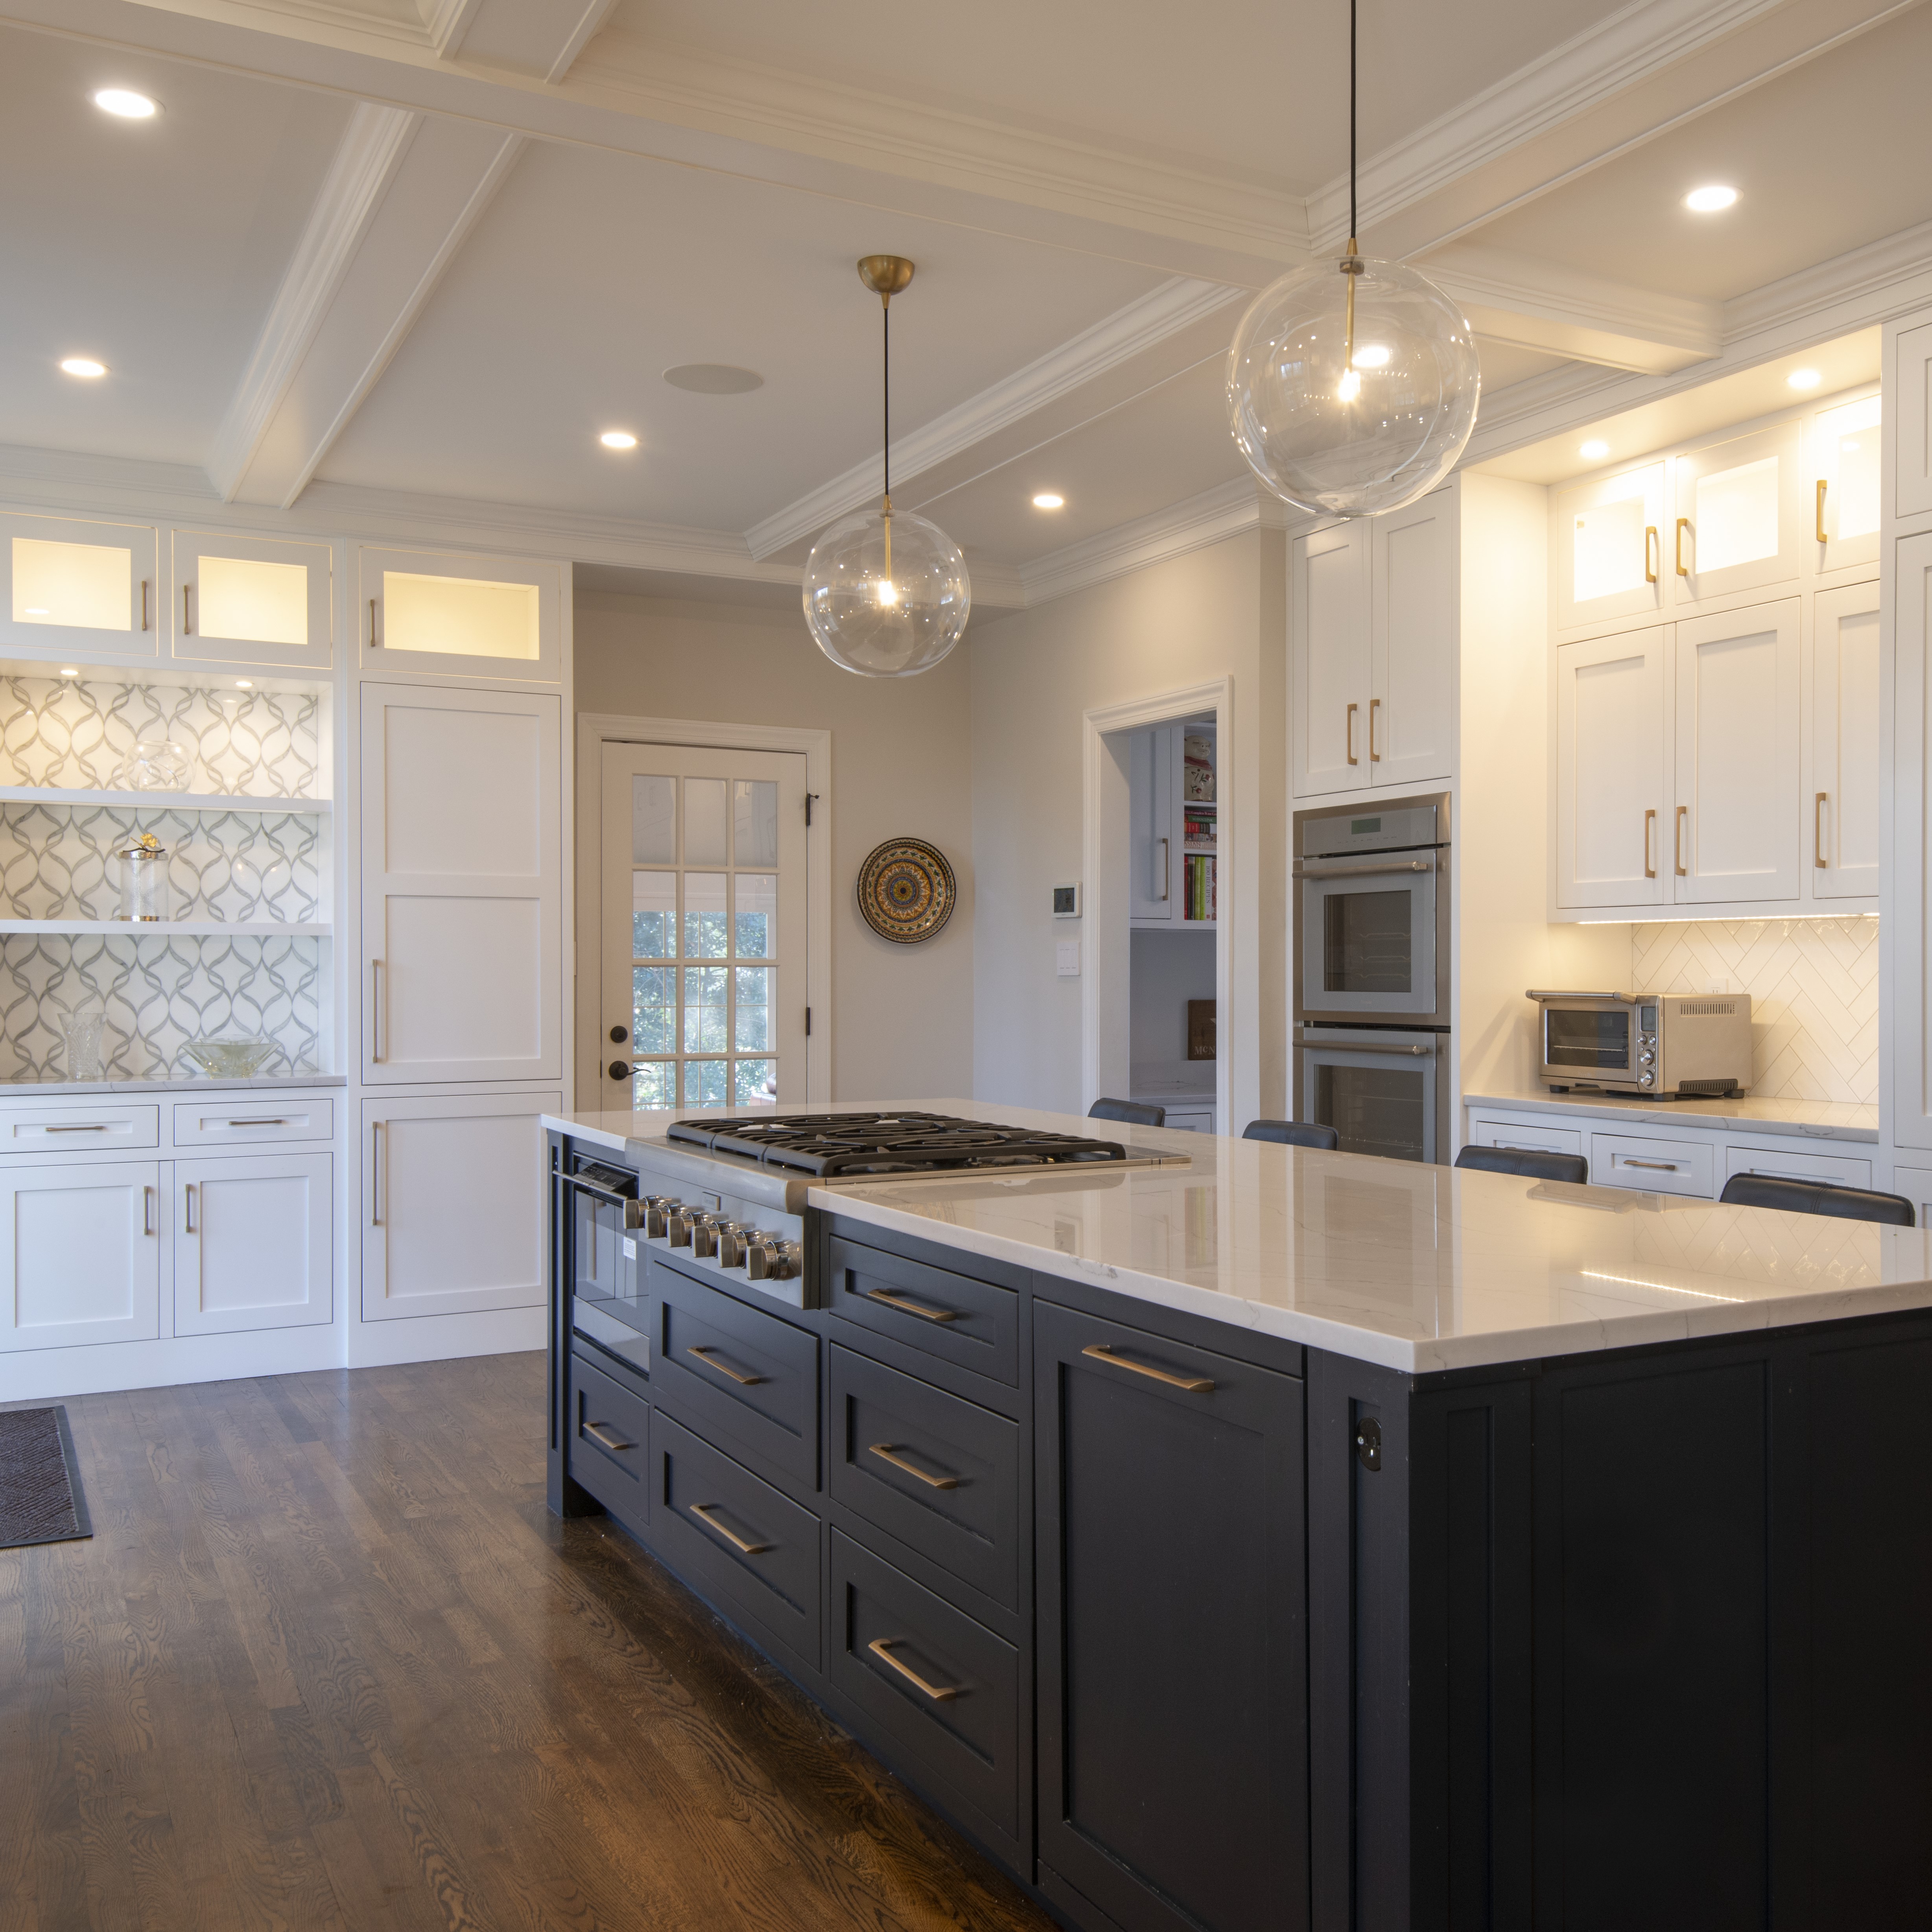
(703, 981)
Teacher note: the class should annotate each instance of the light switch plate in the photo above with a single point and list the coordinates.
(1066, 958)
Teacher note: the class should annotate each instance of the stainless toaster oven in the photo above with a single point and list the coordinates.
(1670, 1045)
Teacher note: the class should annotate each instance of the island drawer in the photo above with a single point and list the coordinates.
(943, 1689)
(1781, 1164)
(737, 1538)
(79, 1127)
(610, 1433)
(973, 1324)
(1656, 1166)
(1537, 1139)
(740, 1372)
(240, 1120)
(938, 1472)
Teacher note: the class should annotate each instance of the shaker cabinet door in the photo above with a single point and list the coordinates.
(1847, 801)
(1413, 634)
(253, 1246)
(1607, 547)
(1612, 779)
(79, 1254)
(1328, 630)
(79, 590)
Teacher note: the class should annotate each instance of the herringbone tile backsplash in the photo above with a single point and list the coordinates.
(1814, 984)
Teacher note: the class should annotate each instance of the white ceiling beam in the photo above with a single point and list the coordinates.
(404, 194)
(539, 38)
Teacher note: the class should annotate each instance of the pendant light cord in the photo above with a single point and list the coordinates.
(1353, 229)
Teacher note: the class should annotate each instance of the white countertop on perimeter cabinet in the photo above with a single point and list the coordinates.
(199, 1083)
(1813, 1120)
(1418, 1268)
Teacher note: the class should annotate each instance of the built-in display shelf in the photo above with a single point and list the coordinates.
(249, 928)
(162, 801)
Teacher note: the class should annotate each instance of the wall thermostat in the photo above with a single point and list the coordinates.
(1066, 902)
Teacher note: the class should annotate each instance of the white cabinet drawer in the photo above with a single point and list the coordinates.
(237, 1120)
(1191, 1120)
(1842, 1170)
(1656, 1166)
(1536, 1140)
(79, 1126)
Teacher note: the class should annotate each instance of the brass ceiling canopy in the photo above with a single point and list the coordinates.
(885, 275)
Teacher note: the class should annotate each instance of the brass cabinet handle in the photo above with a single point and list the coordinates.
(1662, 1166)
(1677, 842)
(1375, 756)
(704, 1354)
(702, 1511)
(1822, 537)
(1817, 822)
(188, 625)
(187, 1209)
(144, 603)
(147, 1211)
(1649, 820)
(1650, 537)
(1683, 524)
(1194, 1384)
(884, 1451)
(278, 1121)
(92, 1127)
(1348, 733)
(881, 1647)
(597, 1432)
(907, 1305)
(373, 640)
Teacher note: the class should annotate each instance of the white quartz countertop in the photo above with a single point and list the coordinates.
(1812, 1120)
(62, 1089)
(1418, 1268)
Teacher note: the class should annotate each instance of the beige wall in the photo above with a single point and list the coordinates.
(901, 763)
(1216, 612)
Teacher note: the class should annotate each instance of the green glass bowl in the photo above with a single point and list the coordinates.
(230, 1059)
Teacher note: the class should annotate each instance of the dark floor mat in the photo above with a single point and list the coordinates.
(41, 1496)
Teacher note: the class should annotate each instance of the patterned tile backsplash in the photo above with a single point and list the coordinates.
(1813, 985)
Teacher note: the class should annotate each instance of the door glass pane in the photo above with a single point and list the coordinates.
(1376, 1109)
(1366, 942)
(754, 816)
(460, 616)
(654, 915)
(654, 821)
(704, 995)
(705, 936)
(1573, 1039)
(705, 1083)
(704, 822)
(1608, 556)
(1737, 515)
(754, 1021)
(757, 915)
(754, 1083)
(654, 1008)
(90, 586)
(654, 1084)
(240, 597)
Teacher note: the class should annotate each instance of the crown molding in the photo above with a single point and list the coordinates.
(1882, 278)
(1165, 311)
(371, 149)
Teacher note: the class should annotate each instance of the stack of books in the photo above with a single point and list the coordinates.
(1198, 887)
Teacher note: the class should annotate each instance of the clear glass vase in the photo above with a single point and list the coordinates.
(144, 881)
(81, 1032)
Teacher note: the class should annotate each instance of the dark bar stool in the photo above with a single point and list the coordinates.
(1817, 1197)
(1292, 1133)
(1531, 1162)
(1132, 1111)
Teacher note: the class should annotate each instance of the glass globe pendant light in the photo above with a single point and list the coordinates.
(1352, 386)
(886, 594)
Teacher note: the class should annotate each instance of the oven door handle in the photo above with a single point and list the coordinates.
(1538, 993)
(1313, 869)
(1350, 1046)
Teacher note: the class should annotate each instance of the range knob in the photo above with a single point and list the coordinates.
(703, 1236)
(679, 1223)
(655, 1211)
(733, 1236)
(772, 1258)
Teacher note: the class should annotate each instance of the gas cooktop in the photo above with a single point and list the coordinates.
(829, 1146)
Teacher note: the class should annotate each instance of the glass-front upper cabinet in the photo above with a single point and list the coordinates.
(240, 600)
(78, 588)
(1844, 478)
(1607, 547)
(443, 612)
(1738, 520)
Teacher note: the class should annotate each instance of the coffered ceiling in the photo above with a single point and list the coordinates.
(427, 250)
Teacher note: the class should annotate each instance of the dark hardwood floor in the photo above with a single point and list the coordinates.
(328, 1662)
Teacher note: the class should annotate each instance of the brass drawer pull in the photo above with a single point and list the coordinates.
(598, 1433)
(883, 1450)
(704, 1354)
(1193, 1384)
(881, 1647)
(910, 1306)
(1662, 1166)
(702, 1511)
(278, 1121)
(92, 1127)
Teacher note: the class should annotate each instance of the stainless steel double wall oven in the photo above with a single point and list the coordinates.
(1371, 965)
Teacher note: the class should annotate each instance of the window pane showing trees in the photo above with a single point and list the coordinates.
(703, 1025)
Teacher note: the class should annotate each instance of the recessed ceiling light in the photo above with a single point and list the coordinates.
(83, 365)
(1594, 451)
(125, 102)
(35, 611)
(1048, 499)
(1804, 379)
(69, 670)
(244, 684)
(618, 438)
(1709, 200)
(713, 379)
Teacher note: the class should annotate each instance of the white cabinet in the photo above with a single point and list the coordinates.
(1186, 1120)
(1156, 865)
(453, 1208)
(1738, 518)
(1734, 826)
(1611, 770)
(454, 615)
(79, 588)
(1328, 627)
(1847, 750)
(1846, 476)
(462, 868)
(79, 1254)
(251, 600)
(252, 1243)
(1912, 420)
(1607, 547)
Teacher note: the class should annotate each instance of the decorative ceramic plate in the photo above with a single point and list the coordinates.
(906, 890)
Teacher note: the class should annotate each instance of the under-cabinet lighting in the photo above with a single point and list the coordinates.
(1710, 200)
(1594, 451)
(1804, 379)
(83, 365)
(1049, 499)
(125, 103)
(618, 438)
(1662, 1287)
